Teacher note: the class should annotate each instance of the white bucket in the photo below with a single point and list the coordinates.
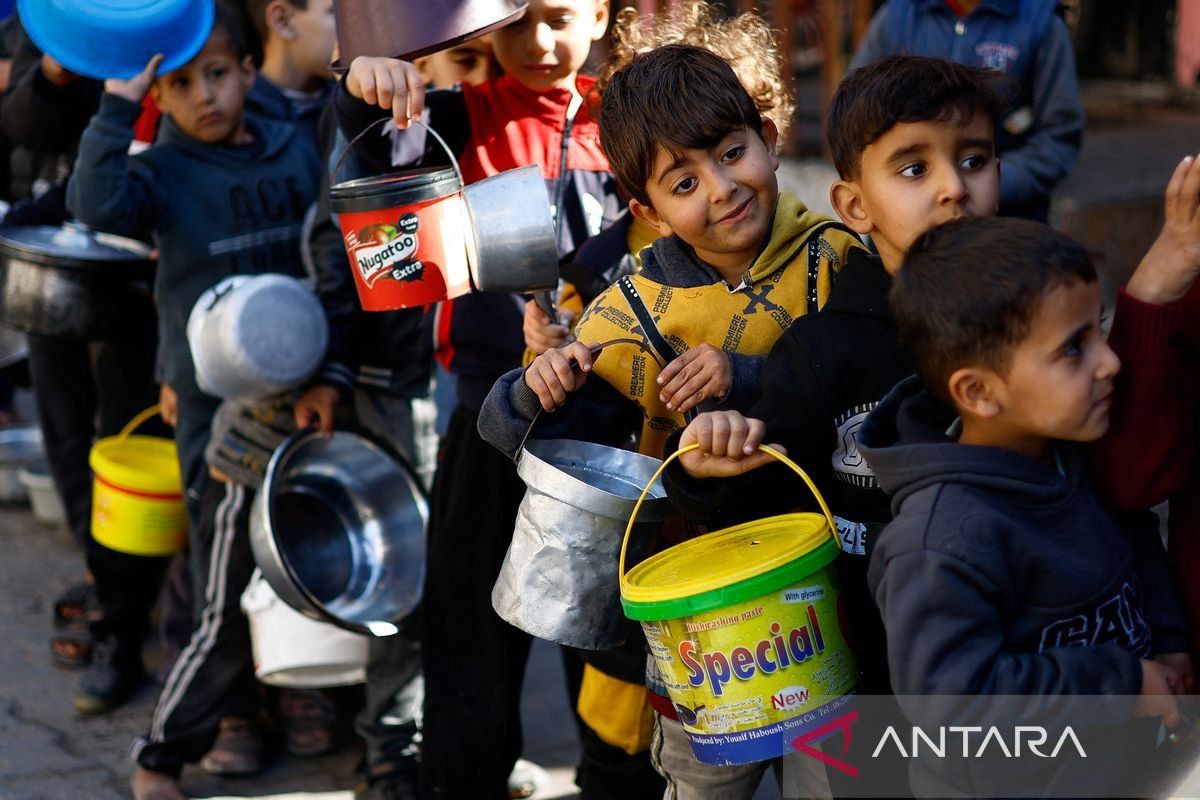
(43, 497)
(296, 652)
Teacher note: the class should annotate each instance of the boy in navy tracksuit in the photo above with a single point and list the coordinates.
(1002, 573)
(1039, 136)
(222, 194)
(534, 114)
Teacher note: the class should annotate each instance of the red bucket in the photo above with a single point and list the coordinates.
(406, 236)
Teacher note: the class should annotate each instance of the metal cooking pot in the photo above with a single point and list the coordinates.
(512, 228)
(73, 283)
(338, 530)
(404, 29)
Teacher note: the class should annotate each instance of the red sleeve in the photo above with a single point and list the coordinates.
(1146, 456)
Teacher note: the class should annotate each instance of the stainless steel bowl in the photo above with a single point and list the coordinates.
(338, 530)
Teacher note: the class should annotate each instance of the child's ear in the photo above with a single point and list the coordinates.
(846, 199)
(601, 26)
(974, 392)
(770, 137)
(278, 14)
(646, 213)
(248, 72)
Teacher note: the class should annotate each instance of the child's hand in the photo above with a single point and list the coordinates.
(1160, 684)
(1181, 663)
(728, 445)
(316, 406)
(1171, 266)
(168, 403)
(700, 373)
(542, 335)
(134, 90)
(389, 83)
(56, 73)
(553, 375)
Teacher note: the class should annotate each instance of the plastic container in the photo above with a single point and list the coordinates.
(117, 38)
(745, 625)
(296, 652)
(137, 494)
(43, 495)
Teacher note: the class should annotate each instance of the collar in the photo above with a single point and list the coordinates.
(862, 288)
(549, 106)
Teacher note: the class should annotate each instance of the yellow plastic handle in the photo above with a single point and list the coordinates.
(138, 421)
(662, 467)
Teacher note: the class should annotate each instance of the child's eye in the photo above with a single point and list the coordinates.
(734, 153)
(974, 162)
(560, 22)
(913, 170)
(684, 186)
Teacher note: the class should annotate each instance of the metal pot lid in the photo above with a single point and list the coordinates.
(71, 243)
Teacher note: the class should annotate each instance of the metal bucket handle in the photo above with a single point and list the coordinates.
(382, 120)
(138, 421)
(764, 448)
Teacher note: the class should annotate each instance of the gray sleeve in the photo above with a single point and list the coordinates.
(1048, 154)
(745, 377)
(874, 44)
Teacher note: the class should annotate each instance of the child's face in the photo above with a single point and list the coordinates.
(471, 62)
(1059, 382)
(547, 46)
(206, 96)
(719, 200)
(916, 176)
(314, 32)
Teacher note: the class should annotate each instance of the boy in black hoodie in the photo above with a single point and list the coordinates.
(1002, 573)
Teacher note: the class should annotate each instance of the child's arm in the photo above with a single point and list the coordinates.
(107, 191)
(709, 373)
(1146, 455)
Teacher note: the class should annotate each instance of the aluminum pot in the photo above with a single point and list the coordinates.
(71, 283)
(338, 530)
(408, 30)
(560, 579)
(512, 228)
(20, 447)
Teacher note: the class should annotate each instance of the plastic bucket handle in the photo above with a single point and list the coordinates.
(764, 448)
(342, 158)
(138, 421)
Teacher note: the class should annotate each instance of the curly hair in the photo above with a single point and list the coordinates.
(745, 41)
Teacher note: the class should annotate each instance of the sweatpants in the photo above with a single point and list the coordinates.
(213, 676)
(474, 662)
(85, 390)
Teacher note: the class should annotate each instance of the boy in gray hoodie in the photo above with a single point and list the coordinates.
(1005, 585)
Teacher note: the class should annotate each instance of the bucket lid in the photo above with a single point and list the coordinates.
(728, 566)
(70, 245)
(384, 191)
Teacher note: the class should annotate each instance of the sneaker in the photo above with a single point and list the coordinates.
(309, 722)
(113, 675)
(525, 779)
(150, 785)
(238, 750)
(396, 784)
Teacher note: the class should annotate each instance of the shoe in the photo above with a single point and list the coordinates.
(238, 750)
(308, 721)
(525, 779)
(113, 675)
(150, 785)
(398, 783)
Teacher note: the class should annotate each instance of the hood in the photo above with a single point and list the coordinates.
(270, 139)
(673, 261)
(905, 441)
(862, 288)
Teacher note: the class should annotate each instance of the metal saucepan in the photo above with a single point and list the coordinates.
(338, 530)
(72, 283)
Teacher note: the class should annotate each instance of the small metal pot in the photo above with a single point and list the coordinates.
(514, 248)
(338, 530)
(72, 283)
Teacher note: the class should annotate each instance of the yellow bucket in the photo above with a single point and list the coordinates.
(746, 627)
(137, 494)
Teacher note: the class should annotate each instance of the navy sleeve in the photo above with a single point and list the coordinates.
(1164, 609)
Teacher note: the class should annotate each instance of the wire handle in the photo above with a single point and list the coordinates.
(342, 158)
(662, 468)
(138, 421)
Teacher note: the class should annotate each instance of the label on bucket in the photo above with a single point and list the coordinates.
(408, 256)
(747, 679)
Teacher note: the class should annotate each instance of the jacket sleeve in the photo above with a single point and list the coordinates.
(1164, 608)
(797, 413)
(946, 638)
(1146, 456)
(1048, 153)
(108, 190)
(39, 115)
(595, 413)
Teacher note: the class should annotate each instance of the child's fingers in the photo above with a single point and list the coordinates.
(756, 431)
(415, 90)
(722, 430)
(384, 89)
(671, 370)
(535, 381)
(582, 355)
(1189, 196)
(1175, 188)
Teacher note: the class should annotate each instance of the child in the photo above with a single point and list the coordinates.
(1002, 574)
(1039, 136)
(222, 193)
(533, 114)
(828, 370)
(737, 262)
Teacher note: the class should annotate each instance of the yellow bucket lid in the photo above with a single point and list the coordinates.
(733, 556)
(138, 463)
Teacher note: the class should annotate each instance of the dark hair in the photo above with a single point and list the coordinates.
(256, 10)
(873, 99)
(968, 292)
(675, 97)
(230, 21)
